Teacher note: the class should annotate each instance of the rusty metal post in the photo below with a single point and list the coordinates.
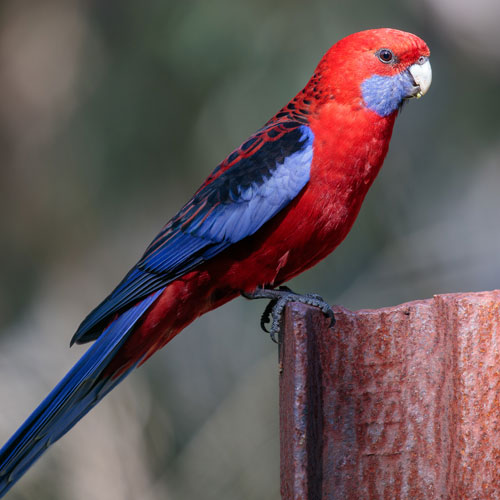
(394, 403)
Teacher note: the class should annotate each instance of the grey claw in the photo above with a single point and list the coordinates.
(279, 298)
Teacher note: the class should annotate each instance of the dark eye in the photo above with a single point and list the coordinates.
(385, 55)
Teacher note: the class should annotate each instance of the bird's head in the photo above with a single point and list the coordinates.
(376, 69)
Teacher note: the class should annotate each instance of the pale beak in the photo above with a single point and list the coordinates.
(421, 73)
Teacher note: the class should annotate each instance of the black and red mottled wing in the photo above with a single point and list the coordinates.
(246, 190)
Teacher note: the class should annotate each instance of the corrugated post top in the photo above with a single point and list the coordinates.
(394, 403)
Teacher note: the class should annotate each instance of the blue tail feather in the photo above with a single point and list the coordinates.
(77, 393)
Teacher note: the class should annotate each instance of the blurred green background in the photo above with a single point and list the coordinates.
(111, 115)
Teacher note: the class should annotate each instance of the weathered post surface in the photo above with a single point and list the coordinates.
(395, 403)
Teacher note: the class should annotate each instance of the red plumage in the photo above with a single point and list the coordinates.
(350, 145)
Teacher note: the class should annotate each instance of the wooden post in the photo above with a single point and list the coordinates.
(395, 403)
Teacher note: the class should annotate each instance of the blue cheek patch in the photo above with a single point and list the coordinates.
(384, 94)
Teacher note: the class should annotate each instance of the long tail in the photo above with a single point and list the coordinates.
(77, 393)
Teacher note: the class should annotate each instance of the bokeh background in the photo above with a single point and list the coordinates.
(111, 115)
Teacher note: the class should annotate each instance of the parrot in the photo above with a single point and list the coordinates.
(278, 204)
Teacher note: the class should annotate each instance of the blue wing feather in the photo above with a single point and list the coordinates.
(245, 191)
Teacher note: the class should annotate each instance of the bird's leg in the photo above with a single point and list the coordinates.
(279, 298)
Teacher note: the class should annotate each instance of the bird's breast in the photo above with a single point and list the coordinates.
(347, 156)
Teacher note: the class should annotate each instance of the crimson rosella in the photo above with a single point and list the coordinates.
(273, 208)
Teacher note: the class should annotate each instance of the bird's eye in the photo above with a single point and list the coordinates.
(385, 55)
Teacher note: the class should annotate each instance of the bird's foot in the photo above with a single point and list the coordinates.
(279, 298)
